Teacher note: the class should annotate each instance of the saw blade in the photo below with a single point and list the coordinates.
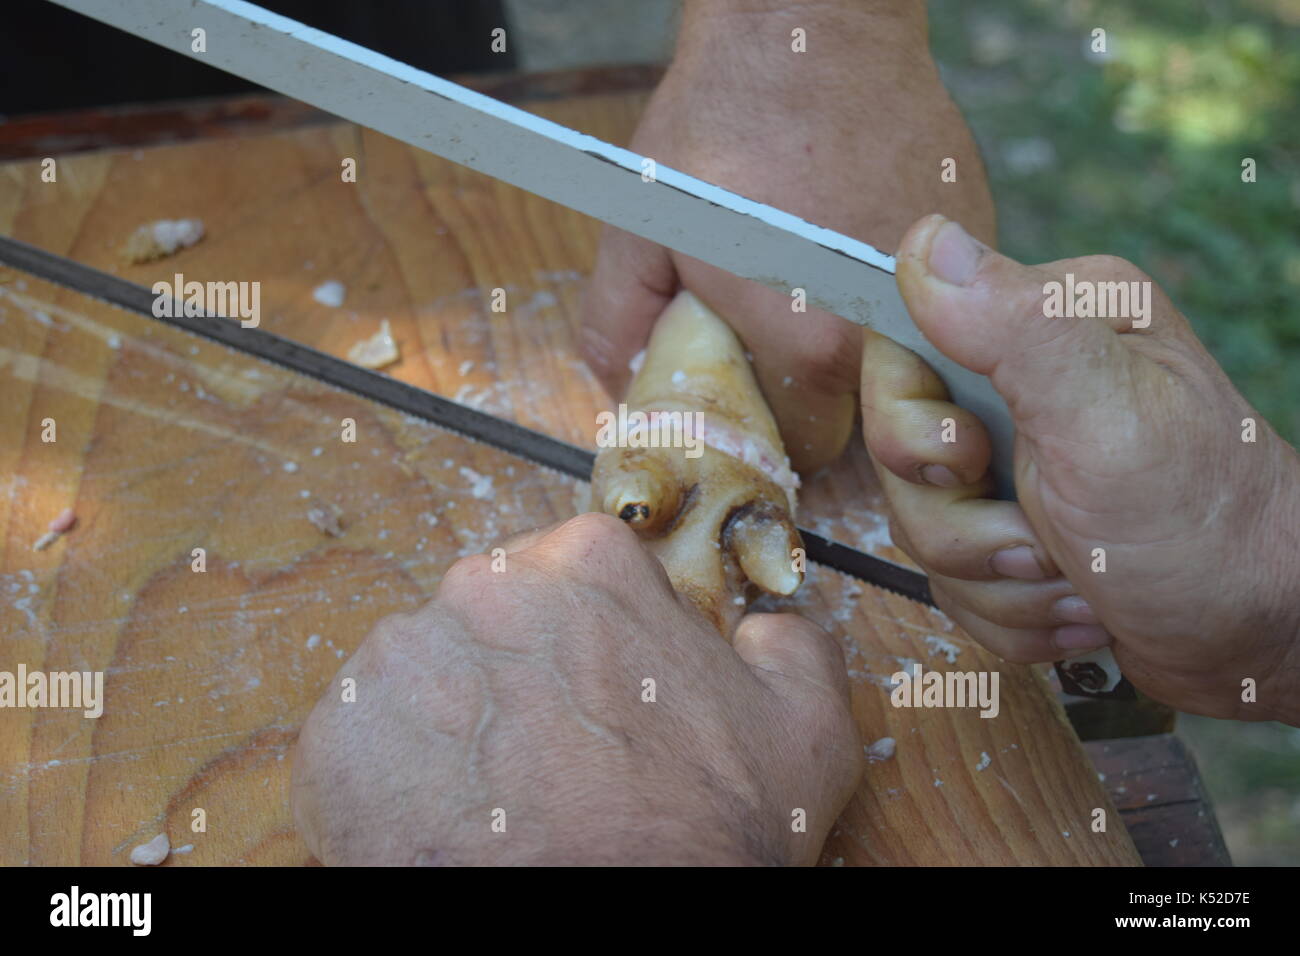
(472, 423)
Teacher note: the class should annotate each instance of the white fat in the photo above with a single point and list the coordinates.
(882, 749)
(154, 240)
(45, 540)
(325, 517)
(377, 351)
(947, 648)
(331, 293)
(153, 852)
(480, 485)
(173, 234)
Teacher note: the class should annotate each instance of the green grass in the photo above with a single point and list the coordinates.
(1144, 157)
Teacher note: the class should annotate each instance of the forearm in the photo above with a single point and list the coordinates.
(852, 58)
(1278, 569)
(888, 29)
(876, 7)
(865, 97)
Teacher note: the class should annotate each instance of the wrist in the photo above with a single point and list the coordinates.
(883, 27)
(895, 7)
(741, 57)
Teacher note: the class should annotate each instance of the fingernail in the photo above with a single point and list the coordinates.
(1074, 610)
(1017, 562)
(1080, 637)
(954, 255)
(939, 475)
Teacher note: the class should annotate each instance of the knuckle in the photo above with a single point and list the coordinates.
(467, 576)
(602, 530)
(390, 640)
(1116, 268)
(933, 546)
(593, 546)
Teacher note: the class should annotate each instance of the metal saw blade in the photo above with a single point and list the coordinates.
(477, 425)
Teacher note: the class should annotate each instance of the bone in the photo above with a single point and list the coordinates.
(642, 491)
(764, 546)
(718, 515)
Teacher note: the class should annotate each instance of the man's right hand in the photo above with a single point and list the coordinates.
(1130, 445)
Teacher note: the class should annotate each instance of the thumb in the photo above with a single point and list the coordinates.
(633, 281)
(794, 657)
(989, 313)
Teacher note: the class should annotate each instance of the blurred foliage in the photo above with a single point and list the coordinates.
(1138, 152)
(1252, 772)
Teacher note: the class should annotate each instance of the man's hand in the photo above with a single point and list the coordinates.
(509, 721)
(852, 134)
(1130, 451)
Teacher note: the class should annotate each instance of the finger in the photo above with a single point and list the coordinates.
(1021, 645)
(792, 656)
(1017, 604)
(819, 748)
(958, 534)
(806, 363)
(632, 283)
(521, 540)
(988, 313)
(909, 425)
(601, 548)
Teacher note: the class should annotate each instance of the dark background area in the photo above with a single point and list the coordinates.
(54, 59)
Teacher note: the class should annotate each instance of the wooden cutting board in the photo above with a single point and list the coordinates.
(167, 443)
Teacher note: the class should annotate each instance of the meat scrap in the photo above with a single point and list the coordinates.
(377, 351)
(153, 852)
(165, 237)
(57, 528)
(325, 517)
(881, 750)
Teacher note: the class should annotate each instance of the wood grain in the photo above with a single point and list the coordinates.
(167, 443)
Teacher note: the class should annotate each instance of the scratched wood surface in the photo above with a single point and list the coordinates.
(168, 443)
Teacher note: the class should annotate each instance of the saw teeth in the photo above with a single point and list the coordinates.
(764, 544)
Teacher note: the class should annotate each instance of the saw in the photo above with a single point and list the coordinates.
(831, 271)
